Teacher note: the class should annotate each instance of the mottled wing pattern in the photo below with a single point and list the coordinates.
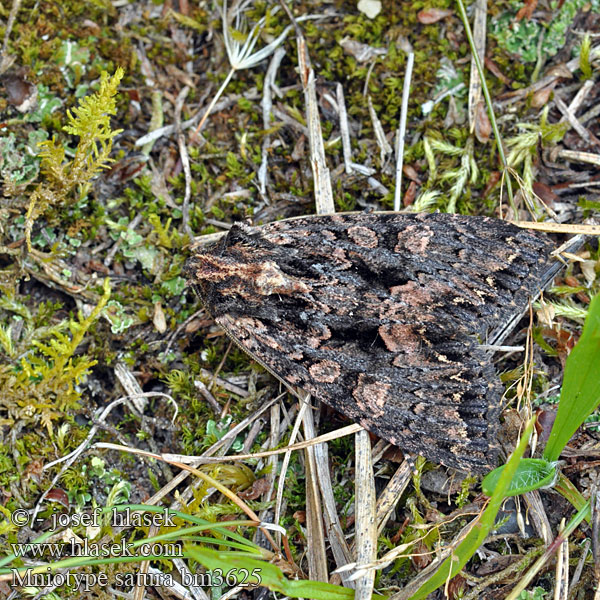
(381, 317)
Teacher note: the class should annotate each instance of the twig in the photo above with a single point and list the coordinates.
(402, 130)
(344, 128)
(6, 60)
(185, 162)
(267, 105)
(569, 115)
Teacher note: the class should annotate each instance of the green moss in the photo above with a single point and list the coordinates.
(43, 383)
(522, 37)
(91, 122)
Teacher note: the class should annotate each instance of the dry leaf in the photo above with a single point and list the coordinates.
(541, 97)
(411, 173)
(20, 93)
(526, 10)
(58, 495)
(545, 193)
(410, 195)
(256, 490)
(427, 16)
(159, 320)
(483, 127)
(361, 52)
(493, 180)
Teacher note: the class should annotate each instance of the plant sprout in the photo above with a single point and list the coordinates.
(240, 55)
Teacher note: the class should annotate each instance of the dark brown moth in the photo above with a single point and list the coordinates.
(382, 316)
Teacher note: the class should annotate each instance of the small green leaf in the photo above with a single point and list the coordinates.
(532, 474)
(584, 58)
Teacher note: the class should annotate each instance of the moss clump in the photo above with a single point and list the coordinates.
(91, 122)
(42, 385)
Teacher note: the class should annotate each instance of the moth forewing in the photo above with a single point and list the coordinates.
(379, 315)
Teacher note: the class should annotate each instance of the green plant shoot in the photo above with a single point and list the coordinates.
(580, 394)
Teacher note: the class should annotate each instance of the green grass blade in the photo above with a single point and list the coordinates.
(240, 568)
(580, 393)
(488, 98)
(473, 540)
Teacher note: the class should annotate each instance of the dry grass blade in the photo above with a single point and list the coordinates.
(537, 515)
(344, 128)
(580, 564)
(221, 488)
(131, 386)
(391, 494)
(561, 586)
(317, 555)
(70, 458)
(479, 32)
(185, 161)
(206, 459)
(333, 527)
(577, 156)
(227, 438)
(581, 95)
(323, 192)
(559, 227)
(267, 107)
(365, 523)
(286, 462)
(384, 146)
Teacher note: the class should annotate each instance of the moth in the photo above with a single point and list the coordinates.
(383, 316)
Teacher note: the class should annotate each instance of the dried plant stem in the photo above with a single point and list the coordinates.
(214, 100)
(402, 130)
(366, 526)
(488, 100)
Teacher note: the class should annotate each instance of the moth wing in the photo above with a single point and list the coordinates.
(382, 317)
(446, 410)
